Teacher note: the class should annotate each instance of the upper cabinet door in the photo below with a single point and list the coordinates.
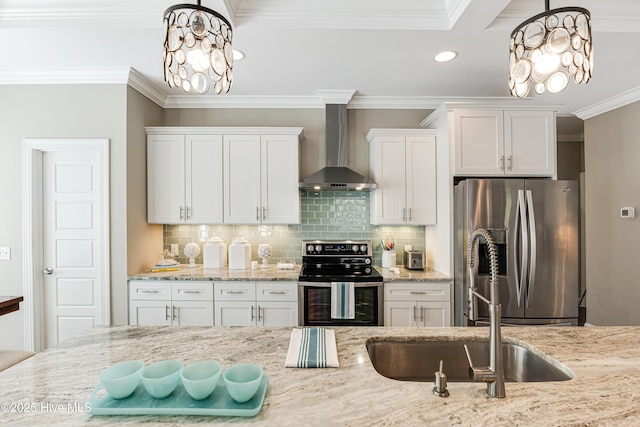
(388, 202)
(530, 143)
(242, 204)
(421, 180)
(204, 179)
(479, 142)
(165, 179)
(279, 180)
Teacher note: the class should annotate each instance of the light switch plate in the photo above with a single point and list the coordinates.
(174, 249)
(5, 253)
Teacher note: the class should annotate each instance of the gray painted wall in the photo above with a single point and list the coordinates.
(57, 111)
(612, 175)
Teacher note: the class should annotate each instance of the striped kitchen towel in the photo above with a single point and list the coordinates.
(343, 300)
(312, 348)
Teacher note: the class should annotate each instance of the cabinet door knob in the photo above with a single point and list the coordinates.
(48, 270)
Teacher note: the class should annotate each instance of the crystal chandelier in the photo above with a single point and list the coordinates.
(549, 49)
(198, 55)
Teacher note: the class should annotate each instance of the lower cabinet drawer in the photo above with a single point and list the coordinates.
(277, 291)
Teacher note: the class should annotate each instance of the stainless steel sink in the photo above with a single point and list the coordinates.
(418, 360)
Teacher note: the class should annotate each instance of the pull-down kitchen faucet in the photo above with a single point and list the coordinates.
(493, 374)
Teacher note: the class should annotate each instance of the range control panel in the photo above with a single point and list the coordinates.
(336, 247)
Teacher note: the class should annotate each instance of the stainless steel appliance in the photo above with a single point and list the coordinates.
(535, 225)
(327, 261)
(414, 260)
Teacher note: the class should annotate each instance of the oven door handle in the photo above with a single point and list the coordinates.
(328, 284)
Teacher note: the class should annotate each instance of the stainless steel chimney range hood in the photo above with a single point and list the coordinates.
(336, 175)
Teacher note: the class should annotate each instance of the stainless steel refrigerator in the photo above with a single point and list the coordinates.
(535, 224)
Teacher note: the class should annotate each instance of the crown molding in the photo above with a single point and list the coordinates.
(335, 96)
(146, 88)
(609, 104)
(25, 76)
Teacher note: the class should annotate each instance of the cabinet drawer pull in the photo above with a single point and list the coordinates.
(501, 161)
(173, 312)
(415, 318)
(410, 216)
(181, 213)
(253, 316)
(188, 213)
(166, 312)
(264, 213)
(191, 291)
(417, 292)
(509, 162)
(234, 292)
(257, 213)
(276, 292)
(149, 291)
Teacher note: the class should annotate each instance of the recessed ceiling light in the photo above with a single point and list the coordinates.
(238, 55)
(445, 56)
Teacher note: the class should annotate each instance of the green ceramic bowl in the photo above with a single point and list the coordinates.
(121, 379)
(242, 381)
(201, 378)
(161, 378)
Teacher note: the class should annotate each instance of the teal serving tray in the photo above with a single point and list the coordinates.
(177, 403)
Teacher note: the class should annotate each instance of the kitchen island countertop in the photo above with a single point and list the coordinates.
(604, 391)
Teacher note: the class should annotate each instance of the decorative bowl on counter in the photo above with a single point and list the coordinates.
(121, 379)
(161, 378)
(242, 381)
(201, 378)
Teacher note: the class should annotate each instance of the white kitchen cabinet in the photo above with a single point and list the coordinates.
(403, 164)
(180, 303)
(239, 303)
(261, 176)
(417, 304)
(504, 142)
(184, 179)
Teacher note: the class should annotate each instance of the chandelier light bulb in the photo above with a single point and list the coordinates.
(550, 49)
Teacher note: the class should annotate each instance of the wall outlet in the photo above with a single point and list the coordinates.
(174, 249)
(408, 247)
(5, 253)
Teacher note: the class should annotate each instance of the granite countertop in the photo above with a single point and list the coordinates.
(413, 275)
(272, 273)
(605, 389)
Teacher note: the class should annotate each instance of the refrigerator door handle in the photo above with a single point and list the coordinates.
(532, 234)
(521, 228)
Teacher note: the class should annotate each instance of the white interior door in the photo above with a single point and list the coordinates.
(72, 250)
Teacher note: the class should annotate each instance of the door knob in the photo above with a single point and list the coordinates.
(48, 270)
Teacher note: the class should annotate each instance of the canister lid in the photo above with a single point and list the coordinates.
(240, 241)
(215, 241)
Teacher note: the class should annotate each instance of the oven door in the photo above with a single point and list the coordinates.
(315, 305)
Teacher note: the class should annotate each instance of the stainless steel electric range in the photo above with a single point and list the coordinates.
(338, 261)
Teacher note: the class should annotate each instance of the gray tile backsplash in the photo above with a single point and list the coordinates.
(324, 215)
